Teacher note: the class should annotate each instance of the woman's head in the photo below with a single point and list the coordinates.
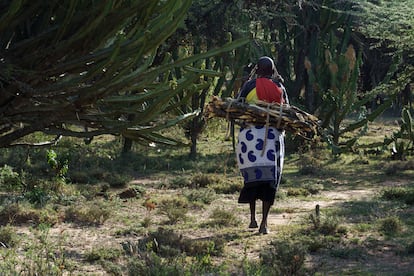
(265, 67)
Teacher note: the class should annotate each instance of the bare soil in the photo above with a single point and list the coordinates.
(77, 240)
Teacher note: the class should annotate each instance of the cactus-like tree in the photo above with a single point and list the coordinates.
(85, 68)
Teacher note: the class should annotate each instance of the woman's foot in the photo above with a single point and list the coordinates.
(263, 230)
(253, 224)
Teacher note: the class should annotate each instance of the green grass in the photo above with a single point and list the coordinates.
(196, 226)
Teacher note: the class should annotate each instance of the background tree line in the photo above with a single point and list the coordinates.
(155, 64)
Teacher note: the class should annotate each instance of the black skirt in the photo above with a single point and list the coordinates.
(262, 190)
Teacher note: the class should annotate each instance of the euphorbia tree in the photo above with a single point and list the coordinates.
(85, 68)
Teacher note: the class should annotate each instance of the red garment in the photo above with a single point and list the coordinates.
(268, 91)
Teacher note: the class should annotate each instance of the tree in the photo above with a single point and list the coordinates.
(85, 68)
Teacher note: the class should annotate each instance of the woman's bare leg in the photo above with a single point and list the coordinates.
(253, 223)
(263, 225)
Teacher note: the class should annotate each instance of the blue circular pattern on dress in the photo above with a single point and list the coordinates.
(241, 160)
(260, 143)
(259, 127)
(270, 134)
(243, 147)
(258, 173)
(271, 155)
(249, 135)
(251, 156)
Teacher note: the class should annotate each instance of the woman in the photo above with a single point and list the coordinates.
(260, 149)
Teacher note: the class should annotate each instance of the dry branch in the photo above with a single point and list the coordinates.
(287, 117)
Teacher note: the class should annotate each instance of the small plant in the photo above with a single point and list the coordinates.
(10, 180)
(202, 180)
(296, 192)
(94, 213)
(345, 252)
(325, 224)
(175, 209)
(284, 257)
(227, 186)
(146, 221)
(223, 218)
(38, 196)
(399, 193)
(102, 253)
(202, 195)
(309, 165)
(58, 164)
(42, 257)
(390, 225)
(8, 236)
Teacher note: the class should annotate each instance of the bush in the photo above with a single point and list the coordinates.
(405, 195)
(8, 236)
(390, 225)
(203, 195)
(223, 218)
(9, 179)
(309, 165)
(175, 209)
(93, 213)
(227, 186)
(284, 257)
(102, 253)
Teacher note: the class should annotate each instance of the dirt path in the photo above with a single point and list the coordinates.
(78, 242)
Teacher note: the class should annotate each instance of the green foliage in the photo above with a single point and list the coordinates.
(390, 225)
(111, 82)
(325, 224)
(8, 236)
(58, 164)
(37, 196)
(403, 139)
(175, 209)
(94, 213)
(396, 167)
(284, 257)
(223, 218)
(103, 254)
(10, 180)
(201, 195)
(164, 252)
(41, 257)
(399, 193)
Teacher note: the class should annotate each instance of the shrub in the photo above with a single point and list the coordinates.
(399, 193)
(93, 213)
(8, 236)
(326, 224)
(203, 195)
(175, 209)
(297, 192)
(167, 243)
(9, 179)
(309, 165)
(102, 253)
(284, 257)
(179, 182)
(390, 225)
(227, 186)
(23, 213)
(202, 180)
(223, 218)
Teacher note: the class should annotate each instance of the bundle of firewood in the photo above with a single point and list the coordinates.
(287, 117)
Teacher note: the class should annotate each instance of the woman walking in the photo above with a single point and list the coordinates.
(260, 149)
